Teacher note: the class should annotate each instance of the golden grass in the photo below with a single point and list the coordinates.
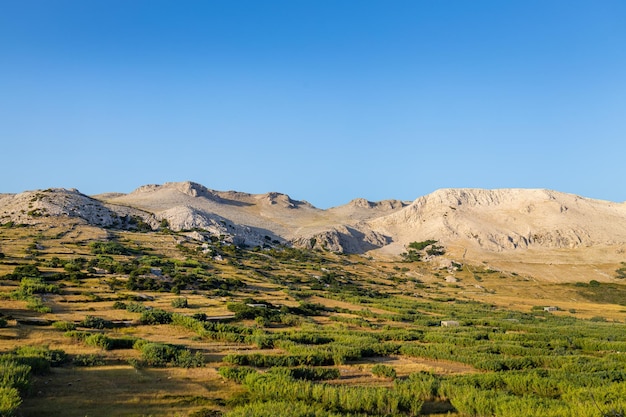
(120, 390)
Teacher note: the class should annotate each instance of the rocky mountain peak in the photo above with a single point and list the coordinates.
(361, 203)
(282, 200)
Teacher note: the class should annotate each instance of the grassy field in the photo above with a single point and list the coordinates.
(158, 324)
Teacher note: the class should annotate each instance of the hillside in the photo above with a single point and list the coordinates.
(168, 323)
(509, 219)
(504, 226)
(180, 300)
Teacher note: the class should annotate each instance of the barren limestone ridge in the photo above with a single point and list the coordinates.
(503, 224)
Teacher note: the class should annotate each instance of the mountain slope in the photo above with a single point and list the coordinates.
(508, 219)
(468, 221)
(272, 215)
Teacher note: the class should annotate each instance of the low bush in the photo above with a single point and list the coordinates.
(14, 374)
(64, 325)
(155, 316)
(92, 322)
(135, 307)
(88, 360)
(160, 355)
(186, 359)
(99, 340)
(109, 248)
(10, 400)
(35, 304)
(236, 373)
(180, 302)
(383, 371)
(308, 373)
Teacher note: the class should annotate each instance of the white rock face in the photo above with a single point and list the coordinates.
(343, 239)
(489, 220)
(507, 219)
(189, 218)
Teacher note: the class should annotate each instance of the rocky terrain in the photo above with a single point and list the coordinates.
(467, 221)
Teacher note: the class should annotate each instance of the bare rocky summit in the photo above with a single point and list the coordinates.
(468, 221)
(508, 219)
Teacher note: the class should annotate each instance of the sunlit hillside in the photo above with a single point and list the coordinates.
(162, 323)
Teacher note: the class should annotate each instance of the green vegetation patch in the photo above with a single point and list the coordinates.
(605, 293)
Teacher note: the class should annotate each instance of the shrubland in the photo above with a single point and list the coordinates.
(209, 328)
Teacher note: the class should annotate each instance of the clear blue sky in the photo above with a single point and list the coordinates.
(323, 100)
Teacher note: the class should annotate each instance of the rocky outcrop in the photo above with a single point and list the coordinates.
(343, 239)
(188, 218)
(32, 207)
(188, 188)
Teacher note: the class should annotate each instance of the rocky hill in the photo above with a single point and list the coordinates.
(32, 207)
(470, 220)
(508, 219)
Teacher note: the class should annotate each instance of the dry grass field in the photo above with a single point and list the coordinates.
(270, 298)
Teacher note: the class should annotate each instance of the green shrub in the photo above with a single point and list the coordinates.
(23, 271)
(14, 374)
(383, 371)
(236, 373)
(180, 302)
(422, 245)
(30, 286)
(10, 400)
(38, 358)
(88, 360)
(38, 364)
(161, 355)
(186, 359)
(244, 311)
(99, 340)
(158, 354)
(285, 408)
(54, 357)
(155, 316)
(109, 248)
(470, 401)
(92, 322)
(64, 325)
(134, 307)
(123, 343)
(308, 373)
(77, 335)
(35, 304)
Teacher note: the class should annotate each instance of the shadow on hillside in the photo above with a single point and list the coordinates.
(357, 242)
(234, 202)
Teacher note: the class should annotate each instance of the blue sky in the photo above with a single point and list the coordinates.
(323, 100)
